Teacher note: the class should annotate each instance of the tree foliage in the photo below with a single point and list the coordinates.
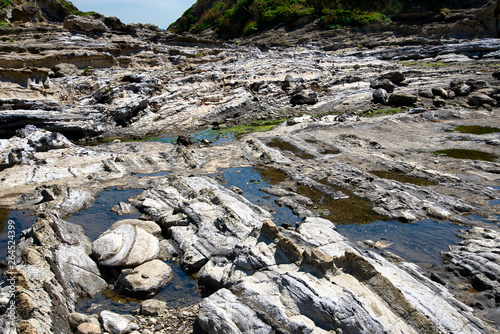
(232, 18)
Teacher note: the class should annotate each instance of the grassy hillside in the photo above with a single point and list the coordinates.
(233, 18)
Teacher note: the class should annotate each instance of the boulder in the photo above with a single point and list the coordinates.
(88, 328)
(480, 99)
(85, 24)
(438, 102)
(65, 70)
(304, 97)
(123, 208)
(126, 245)
(426, 92)
(402, 99)
(184, 140)
(115, 323)
(395, 77)
(146, 279)
(153, 307)
(439, 91)
(380, 96)
(75, 319)
(385, 84)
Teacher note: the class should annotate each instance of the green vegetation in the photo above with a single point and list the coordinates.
(256, 126)
(232, 18)
(382, 112)
(424, 64)
(467, 154)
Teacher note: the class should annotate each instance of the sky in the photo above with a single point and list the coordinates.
(158, 12)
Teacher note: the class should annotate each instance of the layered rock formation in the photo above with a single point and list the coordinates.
(94, 78)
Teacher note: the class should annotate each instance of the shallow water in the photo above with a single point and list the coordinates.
(250, 181)
(474, 129)
(22, 220)
(181, 291)
(419, 242)
(285, 146)
(99, 217)
(467, 154)
(402, 177)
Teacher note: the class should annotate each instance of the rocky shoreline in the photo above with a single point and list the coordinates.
(340, 117)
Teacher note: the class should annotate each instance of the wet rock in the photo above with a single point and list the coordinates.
(126, 245)
(65, 70)
(236, 190)
(184, 140)
(380, 96)
(123, 208)
(146, 279)
(153, 307)
(118, 324)
(402, 99)
(426, 92)
(304, 97)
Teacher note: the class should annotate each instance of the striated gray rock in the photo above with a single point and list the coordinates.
(57, 272)
(147, 225)
(217, 218)
(126, 245)
(223, 313)
(315, 293)
(146, 279)
(117, 323)
(30, 139)
(476, 259)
